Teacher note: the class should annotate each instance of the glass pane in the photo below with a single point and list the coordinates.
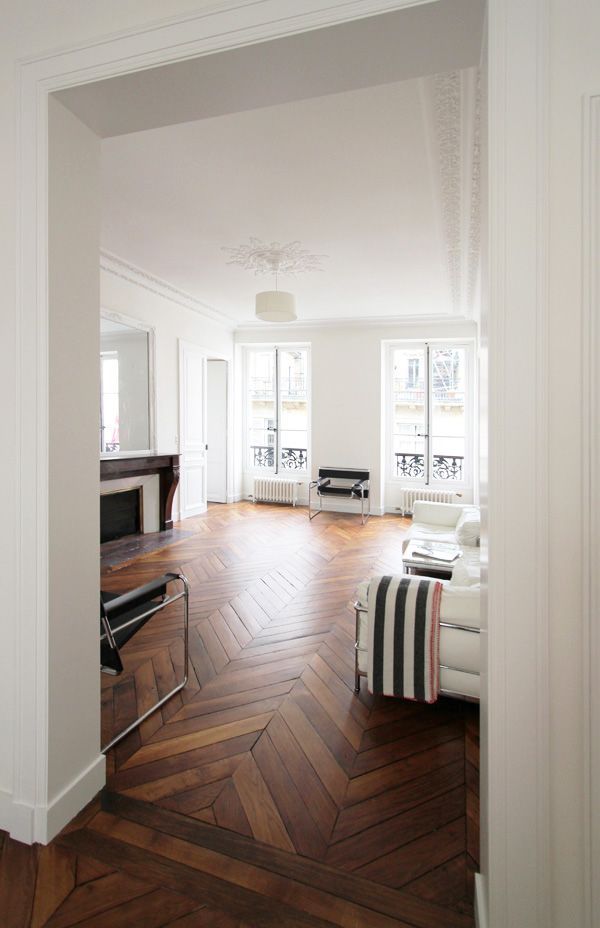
(109, 380)
(408, 412)
(448, 412)
(261, 414)
(293, 419)
(124, 373)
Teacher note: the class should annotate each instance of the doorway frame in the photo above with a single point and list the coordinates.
(517, 100)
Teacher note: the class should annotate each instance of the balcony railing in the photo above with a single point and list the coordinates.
(414, 394)
(290, 386)
(291, 458)
(445, 466)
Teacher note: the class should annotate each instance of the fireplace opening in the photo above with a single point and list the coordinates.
(120, 514)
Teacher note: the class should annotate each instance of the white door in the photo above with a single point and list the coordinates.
(216, 429)
(192, 441)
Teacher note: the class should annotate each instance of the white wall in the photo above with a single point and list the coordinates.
(574, 72)
(346, 392)
(73, 544)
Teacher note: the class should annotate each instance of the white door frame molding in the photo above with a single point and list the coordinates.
(515, 797)
(590, 404)
(516, 726)
(190, 456)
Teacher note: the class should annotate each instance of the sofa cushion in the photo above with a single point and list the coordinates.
(466, 570)
(468, 527)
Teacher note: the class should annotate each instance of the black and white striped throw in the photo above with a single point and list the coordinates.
(404, 637)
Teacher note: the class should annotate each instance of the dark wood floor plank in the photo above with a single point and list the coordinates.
(392, 833)
(290, 866)
(261, 811)
(393, 775)
(299, 824)
(261, 909)
(322, 760)
(314, 795)
(362, 815)
(97, 897)
(418, 857)
(56, 878)
(150, 911)
(228, 811)
(184, 743)
(18, 871)
(187, 780)
(190, 760)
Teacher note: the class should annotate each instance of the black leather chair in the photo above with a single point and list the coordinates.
(122, 615)
(341, 482)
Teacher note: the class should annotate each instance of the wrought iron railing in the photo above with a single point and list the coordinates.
(445, 466)
(412, 394)
(290, 386)
(291, 458)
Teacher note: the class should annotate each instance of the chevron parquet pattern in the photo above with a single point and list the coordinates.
(267, 792)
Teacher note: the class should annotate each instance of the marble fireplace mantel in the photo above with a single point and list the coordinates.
(166, 466)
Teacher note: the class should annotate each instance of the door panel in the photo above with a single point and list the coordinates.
(192, 381)
(216, 423)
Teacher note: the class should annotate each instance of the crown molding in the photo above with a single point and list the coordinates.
(357, 322)
(118, 267)
(452, 107)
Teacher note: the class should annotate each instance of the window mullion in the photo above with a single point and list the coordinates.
(277, 414)
(427, 415)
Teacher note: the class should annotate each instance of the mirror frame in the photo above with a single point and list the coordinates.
(151, 331)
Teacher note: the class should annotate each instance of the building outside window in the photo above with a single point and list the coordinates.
(109, 401)
(430, 413)
(277, 409)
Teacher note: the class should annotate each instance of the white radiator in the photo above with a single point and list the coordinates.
(410, 494)
(275, 490)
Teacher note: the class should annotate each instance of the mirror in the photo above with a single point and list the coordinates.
(125, 386)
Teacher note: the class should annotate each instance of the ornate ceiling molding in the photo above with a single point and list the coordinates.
(116, 266)
(453, 105)
(274, 258)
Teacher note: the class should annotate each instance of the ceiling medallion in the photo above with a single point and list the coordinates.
(274, 258)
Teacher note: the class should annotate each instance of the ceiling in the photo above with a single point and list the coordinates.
(339, 138)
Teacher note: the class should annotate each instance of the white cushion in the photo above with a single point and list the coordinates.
(467, 568)
(468, 527)
(443, 514)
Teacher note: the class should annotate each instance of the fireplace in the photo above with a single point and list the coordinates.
(120, 514)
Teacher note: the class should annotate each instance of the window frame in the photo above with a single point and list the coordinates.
(468, 465)
(276, 471)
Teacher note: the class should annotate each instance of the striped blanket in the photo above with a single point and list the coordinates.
(404, 637)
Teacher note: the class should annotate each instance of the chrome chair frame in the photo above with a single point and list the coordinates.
(359, 490)
(108, 635)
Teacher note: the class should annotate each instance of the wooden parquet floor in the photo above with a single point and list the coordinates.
(266, 793)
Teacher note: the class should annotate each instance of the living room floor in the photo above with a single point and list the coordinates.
(266, 793)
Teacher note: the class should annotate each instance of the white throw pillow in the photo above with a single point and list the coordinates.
(468, 527)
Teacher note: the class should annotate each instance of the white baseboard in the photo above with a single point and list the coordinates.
(40, 824)
(70, 801)
(16, 818)
(481, 919)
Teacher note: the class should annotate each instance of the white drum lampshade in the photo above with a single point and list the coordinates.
(276, 306)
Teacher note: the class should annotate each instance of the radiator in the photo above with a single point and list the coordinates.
(275, 490)
(410, 494)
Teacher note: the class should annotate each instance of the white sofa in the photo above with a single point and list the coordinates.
(460, 602)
